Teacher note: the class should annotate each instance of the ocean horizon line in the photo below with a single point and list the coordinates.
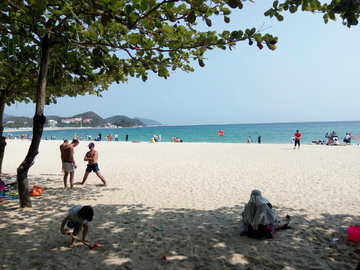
(305, 122)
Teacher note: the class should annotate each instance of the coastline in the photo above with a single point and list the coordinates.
(196, 193)
(270, 133)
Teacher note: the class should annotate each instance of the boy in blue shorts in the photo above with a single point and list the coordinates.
(92, 158)
(78, 218)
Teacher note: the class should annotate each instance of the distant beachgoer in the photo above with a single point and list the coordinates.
(260, 218)
(92, 158)
(297, 139)
(100, 136)
(172, 138)
(249, 139)
(159, 137)
(327, 138)
(259, 139)
(69, 163)
(292, 140)
(177, 139)
(110, 137)
(116, 137)
(126, 137)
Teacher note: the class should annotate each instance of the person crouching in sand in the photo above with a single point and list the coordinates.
(260, 219)
(78, 218)
(92, 158)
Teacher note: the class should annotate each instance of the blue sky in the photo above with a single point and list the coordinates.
(311, 76)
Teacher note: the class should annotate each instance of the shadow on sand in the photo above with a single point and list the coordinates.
(191, 239)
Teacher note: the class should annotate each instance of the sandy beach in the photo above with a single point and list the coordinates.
(196, 192)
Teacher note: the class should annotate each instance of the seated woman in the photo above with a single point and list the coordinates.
(260, 219)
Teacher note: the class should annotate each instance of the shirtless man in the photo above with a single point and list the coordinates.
(69, 164)
(92, 158)
(62, 147)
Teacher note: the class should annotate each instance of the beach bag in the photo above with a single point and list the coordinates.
(36, 191)
(263, 231)
(2, 185)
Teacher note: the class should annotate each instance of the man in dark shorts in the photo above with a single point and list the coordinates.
(92, 158)
(297, 139)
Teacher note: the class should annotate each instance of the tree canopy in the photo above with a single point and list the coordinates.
(93, 43)
(348, 10)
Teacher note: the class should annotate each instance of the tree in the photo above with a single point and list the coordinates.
(348, 10)
(96, 42)
(124, 123)
(20, 51)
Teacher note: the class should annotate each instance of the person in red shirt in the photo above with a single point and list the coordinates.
(297, 139)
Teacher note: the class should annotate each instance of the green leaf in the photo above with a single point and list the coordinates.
(305, 5)
(191, 18)
(293, 9)
(275, 4)
(170, 5)
(269, 13)
(326, 18)
(233, 3)
(332, 15)
(208, 22)
(279, 17)
(249, 32)
(201, 63)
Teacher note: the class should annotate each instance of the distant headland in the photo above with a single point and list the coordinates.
(87, 119)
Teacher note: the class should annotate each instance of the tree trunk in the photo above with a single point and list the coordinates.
(38, 127)
(2, 141)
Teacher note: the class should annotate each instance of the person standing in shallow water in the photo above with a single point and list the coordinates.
(92, 158)
(259, 139)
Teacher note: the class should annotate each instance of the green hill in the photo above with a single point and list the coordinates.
(96, 120)
(124, 119)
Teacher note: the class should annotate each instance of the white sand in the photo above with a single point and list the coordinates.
(196, 192)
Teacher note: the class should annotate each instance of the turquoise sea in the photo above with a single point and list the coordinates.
(274, 133)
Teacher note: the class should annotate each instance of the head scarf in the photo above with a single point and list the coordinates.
(257, 211)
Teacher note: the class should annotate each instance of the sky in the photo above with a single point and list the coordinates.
(311, 76)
